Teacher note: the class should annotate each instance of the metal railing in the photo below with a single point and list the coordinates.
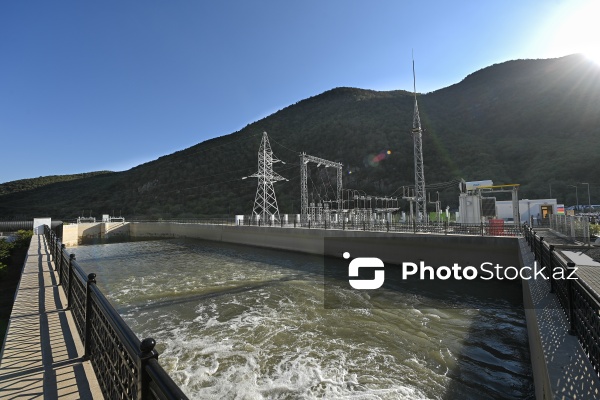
(579, 302)
(443, 228)
(126, 368)
(576, 228)
(201, 221)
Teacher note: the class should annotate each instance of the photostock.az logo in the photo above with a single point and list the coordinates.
(365, 262)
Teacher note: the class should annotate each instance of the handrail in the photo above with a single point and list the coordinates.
(580, 303)
(442, 227)
(125, 366)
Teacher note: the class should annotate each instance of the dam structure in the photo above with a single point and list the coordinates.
(557, 353)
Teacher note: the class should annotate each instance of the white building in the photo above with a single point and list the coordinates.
(535, 208)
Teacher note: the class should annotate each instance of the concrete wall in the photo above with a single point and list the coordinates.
(390, 247)
(74, 234)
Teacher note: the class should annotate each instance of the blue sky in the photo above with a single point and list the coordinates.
(87, 86)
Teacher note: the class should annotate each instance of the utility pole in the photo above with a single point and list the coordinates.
(576, 197)
(589, 198)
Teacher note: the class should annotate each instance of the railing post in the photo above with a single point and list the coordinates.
(551, 261)
(147, 352)
(70, 290)
(343, 224)
(88, 316)
(55, 246)
(60, 262)
(571, 295)
(55, 254)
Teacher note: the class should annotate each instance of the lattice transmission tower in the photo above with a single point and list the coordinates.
(420, 197)
(265, 202)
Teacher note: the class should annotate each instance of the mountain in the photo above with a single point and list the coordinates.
(532, 122)
(34, 183)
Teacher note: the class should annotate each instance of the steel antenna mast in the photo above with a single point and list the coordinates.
(417, 132)
(265, 202)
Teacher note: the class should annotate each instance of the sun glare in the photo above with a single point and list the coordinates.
(578, 31)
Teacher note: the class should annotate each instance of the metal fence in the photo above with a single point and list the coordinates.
(126, 367)
(442, 228)
(576, 228)
(579, 302)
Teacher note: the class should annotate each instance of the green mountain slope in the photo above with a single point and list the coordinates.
(33, 183)
(533, 122)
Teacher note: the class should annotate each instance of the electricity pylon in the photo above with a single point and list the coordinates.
(265, 202)
(420, 198)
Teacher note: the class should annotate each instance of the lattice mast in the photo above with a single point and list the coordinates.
(265, 202)
(417, 132)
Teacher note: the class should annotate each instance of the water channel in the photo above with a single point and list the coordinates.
(236, 322)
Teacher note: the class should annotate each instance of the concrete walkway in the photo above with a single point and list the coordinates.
(41, 356)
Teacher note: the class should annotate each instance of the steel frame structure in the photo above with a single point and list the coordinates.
(304, 160)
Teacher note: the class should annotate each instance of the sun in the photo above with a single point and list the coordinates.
(592, 54)
(578, 31)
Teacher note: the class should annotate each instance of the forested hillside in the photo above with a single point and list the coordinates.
(533, 122)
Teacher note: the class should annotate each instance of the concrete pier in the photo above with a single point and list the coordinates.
(41, 356)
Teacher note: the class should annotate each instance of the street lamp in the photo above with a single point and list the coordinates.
(576, 196)
(589, 200)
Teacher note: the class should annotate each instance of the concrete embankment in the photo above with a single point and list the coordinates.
(392, 248)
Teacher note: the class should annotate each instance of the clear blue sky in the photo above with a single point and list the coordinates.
(107, 85)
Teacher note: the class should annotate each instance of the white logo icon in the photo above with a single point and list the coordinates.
(365, 262)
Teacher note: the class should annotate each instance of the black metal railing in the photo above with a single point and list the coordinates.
(443, 228)
(126, 368)
(579, 302)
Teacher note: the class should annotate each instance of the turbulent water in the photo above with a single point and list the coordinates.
(235, 322)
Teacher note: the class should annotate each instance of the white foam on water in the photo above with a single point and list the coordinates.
(220, 362)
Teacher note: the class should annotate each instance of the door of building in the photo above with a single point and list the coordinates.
(546, 210)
